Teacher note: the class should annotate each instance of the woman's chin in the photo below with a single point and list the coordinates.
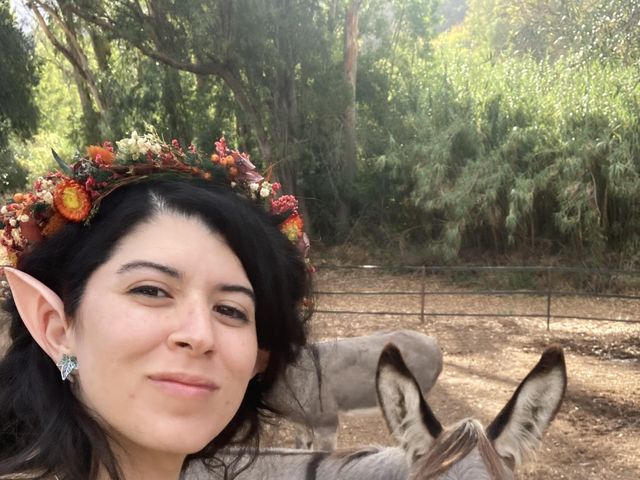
(184, 445)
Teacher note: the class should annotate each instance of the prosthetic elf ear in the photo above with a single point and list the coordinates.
(262, 361)
(41, 311)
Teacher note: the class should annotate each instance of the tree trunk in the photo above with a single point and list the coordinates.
(96, 126)
(348, 162)
(91, 120)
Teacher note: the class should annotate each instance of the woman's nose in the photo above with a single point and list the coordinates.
(194, 330)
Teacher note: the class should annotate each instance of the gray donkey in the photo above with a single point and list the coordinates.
(290, 464)
(464, 451)
(339, 376)
(467, 451)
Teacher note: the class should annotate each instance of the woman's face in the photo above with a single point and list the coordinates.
(165, 337)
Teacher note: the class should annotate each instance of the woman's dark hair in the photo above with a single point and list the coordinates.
(44, 428)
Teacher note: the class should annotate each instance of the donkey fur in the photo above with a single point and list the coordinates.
(339, 376)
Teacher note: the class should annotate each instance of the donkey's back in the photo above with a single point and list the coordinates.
(287, 464)
(351, 365)
(339, 376)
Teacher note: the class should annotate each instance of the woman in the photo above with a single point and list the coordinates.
(152, 306)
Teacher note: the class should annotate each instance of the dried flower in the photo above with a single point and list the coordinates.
(100, 154)
(71, 200)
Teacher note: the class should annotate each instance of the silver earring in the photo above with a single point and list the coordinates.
(67, 365)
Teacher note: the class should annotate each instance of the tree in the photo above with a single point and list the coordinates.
(282, 78)
(254, 49)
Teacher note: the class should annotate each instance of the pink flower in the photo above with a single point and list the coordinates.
(221, 147)
(284, 204)
(90, 183)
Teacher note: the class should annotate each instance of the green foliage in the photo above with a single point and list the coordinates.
(515, 154)
(18, 112)
(60, 125)
(12, 174)
(586, 29)
(19, 76)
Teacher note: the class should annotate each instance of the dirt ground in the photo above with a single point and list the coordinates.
(596, 434)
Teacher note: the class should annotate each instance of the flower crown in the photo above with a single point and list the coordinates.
(73, 193)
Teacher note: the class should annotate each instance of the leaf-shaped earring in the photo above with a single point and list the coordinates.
(67, 365)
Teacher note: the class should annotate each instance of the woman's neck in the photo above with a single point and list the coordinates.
(146, 465)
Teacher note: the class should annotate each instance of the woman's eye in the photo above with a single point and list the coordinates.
(231, 312)
(149, 291)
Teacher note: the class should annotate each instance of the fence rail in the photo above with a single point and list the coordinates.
(545, 290)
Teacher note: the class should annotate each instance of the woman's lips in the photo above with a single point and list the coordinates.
(183, 384)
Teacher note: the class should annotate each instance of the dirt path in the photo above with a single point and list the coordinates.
(596, 435)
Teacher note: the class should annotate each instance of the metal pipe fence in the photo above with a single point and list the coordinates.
(604, 279)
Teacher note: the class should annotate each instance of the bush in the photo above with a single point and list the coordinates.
(512, 154)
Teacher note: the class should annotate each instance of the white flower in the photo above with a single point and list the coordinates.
(23, 218)
(254, 187)
(3, 210)
(264, 192)
(12, 222)
(137, 145)
(123, 145)
(15, 235)
(47, 197)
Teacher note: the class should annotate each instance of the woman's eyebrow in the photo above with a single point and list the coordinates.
(172, 272)
(238, 288)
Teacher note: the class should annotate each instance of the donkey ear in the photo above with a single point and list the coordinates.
(408, 416)
(41, 310)
(517, 430)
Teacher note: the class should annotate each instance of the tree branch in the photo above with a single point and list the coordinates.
(73, 53)
(211, 67)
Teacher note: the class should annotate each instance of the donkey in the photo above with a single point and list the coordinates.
(338, 376)
(374, 463)
(464, 451)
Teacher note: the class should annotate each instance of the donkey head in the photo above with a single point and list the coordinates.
(466, 451)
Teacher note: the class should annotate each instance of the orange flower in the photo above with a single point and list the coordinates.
(54, 224)
(71, 200)
(292, 227)
(100, 154)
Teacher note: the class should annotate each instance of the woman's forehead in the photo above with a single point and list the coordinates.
(181, 244)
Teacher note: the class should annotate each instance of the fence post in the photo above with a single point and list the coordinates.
(422, 290)
(548, 299)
